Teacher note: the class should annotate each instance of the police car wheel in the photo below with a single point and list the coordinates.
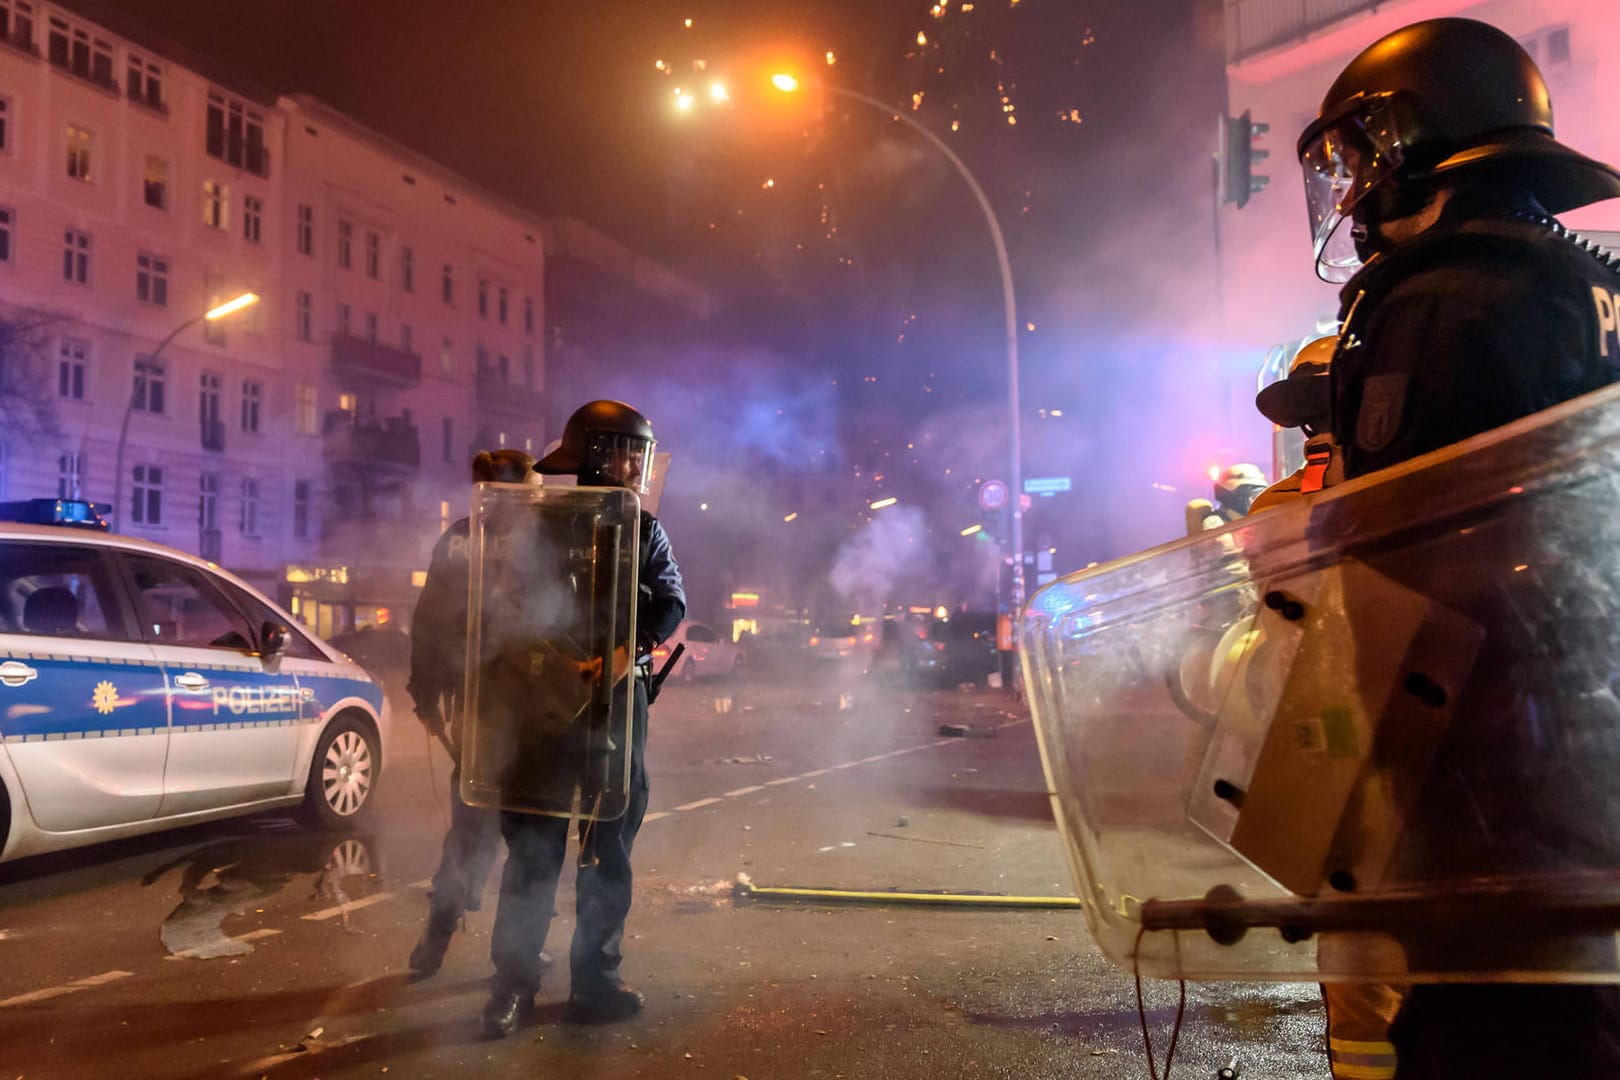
(342, 775)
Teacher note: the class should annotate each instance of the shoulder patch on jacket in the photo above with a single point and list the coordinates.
(1383, 399)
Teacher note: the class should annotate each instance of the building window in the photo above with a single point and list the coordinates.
(156, 187)
(146, 508)
(69, 475)
(216, 197)
(235, 135)
(373, 254)
(447, 284)
(306, 229)
(5, 124)
(501, 310)
(17, 23)
(74, 49)
(149, 380)
(208, 501)
(505, 368)
(213, 432)
(449, 441)
(152, 280)
(78, 153)
(214, 329)
(407, 268)
(1558, 46)
(145, 82)
(528, 314)
(304, 411)
(528, 366)
(345, 245)
(405, 337)
(6, 220)
(249, 523)
(481, 360)
(76, 256)
(371, 327)
(343, 311)
(300, 510)
(252, 218)
(252, 393)
(483, 298)
(447, 357)
(304, 314)
(71, 360)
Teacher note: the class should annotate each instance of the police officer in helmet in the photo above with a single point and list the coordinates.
(605, 443)
(1431, 176)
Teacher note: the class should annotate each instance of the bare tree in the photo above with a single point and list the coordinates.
(27, 398)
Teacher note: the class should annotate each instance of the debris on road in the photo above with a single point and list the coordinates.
(924, 840)
(751, 759)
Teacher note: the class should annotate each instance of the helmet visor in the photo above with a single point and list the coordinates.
(1343, 161)
(614, 460)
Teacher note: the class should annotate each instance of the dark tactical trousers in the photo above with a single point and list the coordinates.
(468, 853)
(1507, 1032)
(536, 846)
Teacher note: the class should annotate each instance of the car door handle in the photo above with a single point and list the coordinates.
(191, 681)
(15, 673)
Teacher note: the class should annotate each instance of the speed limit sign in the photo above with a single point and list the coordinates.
(992, 495)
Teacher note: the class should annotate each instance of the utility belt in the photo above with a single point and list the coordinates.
(644, 668)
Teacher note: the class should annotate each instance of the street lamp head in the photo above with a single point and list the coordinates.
(718, 93)
(229, 307)
(784, 82)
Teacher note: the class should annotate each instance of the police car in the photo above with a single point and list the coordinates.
(144, 689)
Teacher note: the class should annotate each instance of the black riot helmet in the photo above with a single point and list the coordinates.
(605, 444)
(1440, 99)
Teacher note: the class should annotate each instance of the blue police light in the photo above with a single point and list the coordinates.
(74, 513)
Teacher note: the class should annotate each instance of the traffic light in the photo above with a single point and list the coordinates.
(1238, 155)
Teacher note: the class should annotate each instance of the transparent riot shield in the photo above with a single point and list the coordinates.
(550, 649)
(1370, 735)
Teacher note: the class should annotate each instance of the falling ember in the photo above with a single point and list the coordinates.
(1013, 120)
(956, 125)
(689, 21)
(922, 38)
(768, 184)
(1030, 327)
(1072, 116)
(791, 516)
(660, 65)
(916, 100)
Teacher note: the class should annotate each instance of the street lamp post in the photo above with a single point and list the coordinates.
(788, 84)
(211, 315)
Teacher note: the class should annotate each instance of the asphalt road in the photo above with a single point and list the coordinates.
(233, 951)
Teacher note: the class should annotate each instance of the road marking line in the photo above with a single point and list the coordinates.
(251, 935)
(849, 764)
(782, 780)
(818, 772)
(654, 816)
(70, 988)
(696, 805)
(353, 905)
(744, 791)
(425, 883)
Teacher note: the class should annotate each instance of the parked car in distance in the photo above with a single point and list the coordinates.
(143, 689)
(708, 654)
(851, 638)
(937, 652)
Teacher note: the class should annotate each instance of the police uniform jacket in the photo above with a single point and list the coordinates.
(1488, 317)
(662, 603)
(439, 623)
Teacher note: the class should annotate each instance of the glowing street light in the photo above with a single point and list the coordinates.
(971, 529)
(881, 503)
(213, 314)
(718, 94)
(788, 84)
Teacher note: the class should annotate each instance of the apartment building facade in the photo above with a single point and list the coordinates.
(1282, 55)
(317, 441)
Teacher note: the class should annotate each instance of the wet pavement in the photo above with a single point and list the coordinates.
(256, 948)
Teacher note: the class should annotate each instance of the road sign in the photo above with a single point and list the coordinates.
(992, 495)
(1046, 485)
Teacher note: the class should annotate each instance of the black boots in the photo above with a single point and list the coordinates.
(429, 952)
(503, 1013)
(603, 1004)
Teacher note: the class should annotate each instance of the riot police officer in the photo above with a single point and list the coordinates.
(605, 443)
(1431, 176)
(438, 654)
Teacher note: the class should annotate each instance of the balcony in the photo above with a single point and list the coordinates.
(213, 434)
(375, 362)
(495, 394)
(1256, 25)
(370, 443)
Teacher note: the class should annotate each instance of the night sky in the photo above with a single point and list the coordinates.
(837, 242)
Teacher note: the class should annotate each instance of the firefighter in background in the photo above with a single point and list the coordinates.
(438, 656)
(1431, 175)
(1302, 401)
(1235, 491)
(604, 444)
